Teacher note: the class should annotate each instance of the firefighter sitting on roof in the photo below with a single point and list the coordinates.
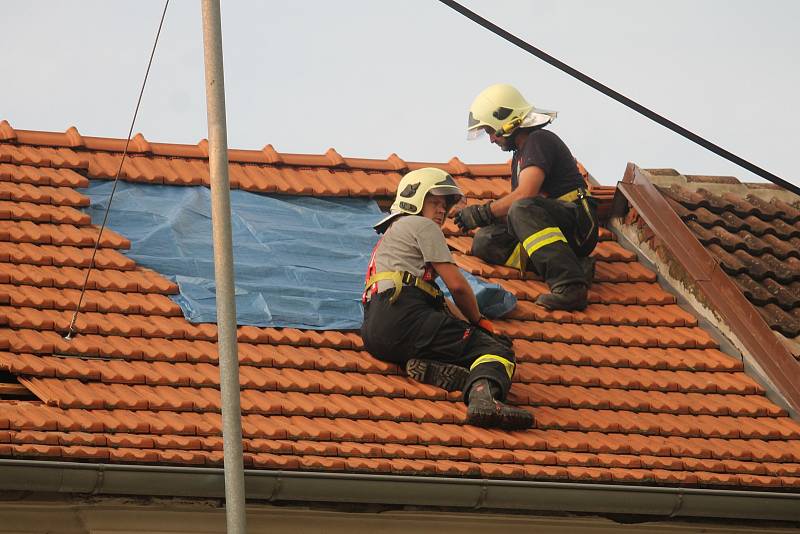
(549, 217)
(408, 321)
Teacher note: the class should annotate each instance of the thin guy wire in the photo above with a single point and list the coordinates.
(622, 99)
(70, 330)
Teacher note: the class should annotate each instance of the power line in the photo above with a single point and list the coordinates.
(622, 99)
(71, 328)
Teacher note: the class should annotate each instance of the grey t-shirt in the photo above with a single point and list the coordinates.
(408, 244)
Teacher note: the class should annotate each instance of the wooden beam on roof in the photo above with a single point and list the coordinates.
(719, 291)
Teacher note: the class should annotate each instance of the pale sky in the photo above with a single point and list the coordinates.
(370, 78)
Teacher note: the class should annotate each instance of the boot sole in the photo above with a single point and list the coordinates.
(496, 415)
(576, 307)
(443, 375)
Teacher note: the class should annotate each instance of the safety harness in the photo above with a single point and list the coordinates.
(575, 194)
(399, 279)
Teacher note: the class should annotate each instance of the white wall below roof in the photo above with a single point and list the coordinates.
(126, 516)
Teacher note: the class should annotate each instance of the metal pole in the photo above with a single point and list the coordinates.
(223, 269)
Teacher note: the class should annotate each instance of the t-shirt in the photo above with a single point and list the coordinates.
(409, 243)
(546, 150)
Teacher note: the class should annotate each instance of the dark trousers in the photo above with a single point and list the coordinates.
(552, 233)
(417, 326)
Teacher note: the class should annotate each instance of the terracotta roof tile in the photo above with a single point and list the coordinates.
(630, 390)
(755, 240)
(140, 280)
(267, 179)
(41, 176)
(101, 301)
(781, 321)
(59, 234)
(613, 314)
(41, 194)
(42, 213)
(606, 271)
(43, 156)
(62, 256)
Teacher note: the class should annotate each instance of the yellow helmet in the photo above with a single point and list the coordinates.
(502, 109)
(412, 190)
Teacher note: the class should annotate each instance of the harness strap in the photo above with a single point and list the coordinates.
(371, 269)
(400, 279)
(581, 194)
(575, 194)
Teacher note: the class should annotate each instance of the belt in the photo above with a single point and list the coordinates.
(400, 279)
(576, 194)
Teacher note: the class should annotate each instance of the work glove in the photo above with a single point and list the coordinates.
(474, 216)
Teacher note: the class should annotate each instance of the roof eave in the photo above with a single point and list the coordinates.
(469, 494)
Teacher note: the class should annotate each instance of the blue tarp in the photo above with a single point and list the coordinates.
(299, 261)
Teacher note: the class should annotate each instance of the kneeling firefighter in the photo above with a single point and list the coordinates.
(408, 321)
(549, 217)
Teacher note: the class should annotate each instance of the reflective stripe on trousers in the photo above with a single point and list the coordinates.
(534, 242)
(487, 358)
(543, 238)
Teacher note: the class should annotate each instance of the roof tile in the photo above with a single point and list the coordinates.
(629, 390)
(43, 156)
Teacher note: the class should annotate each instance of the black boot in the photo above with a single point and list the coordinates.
(569, 297)
(588, 268)
(442, 375)
(486, 411)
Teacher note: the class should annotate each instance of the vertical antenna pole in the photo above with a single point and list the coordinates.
(223, 269)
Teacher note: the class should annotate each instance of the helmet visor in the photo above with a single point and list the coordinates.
(478, 132)
(446, 190)
(475, 128)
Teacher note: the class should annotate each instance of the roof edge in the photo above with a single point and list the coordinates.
(719, 291)
(472, 494)
(721, 185)
(73, 139)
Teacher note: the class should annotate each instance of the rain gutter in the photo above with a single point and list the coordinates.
(716, 287)
(459, 493)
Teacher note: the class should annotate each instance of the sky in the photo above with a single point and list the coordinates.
(374, 78)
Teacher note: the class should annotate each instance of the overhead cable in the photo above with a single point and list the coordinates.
(71, 328)
(544, 56)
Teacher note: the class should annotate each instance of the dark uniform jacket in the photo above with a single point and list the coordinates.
(546, 150)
